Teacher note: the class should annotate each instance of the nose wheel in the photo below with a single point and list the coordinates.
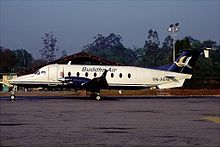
(12, 97)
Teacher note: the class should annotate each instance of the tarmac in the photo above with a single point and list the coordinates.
(113, 121)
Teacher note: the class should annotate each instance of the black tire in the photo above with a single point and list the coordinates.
(12, 97)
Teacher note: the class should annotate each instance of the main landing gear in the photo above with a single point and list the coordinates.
(96, 95)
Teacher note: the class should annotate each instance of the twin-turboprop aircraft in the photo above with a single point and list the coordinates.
(96, 77)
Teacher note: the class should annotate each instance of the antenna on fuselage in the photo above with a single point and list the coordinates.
(69, 63)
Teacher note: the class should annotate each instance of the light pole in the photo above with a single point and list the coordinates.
(174, 28)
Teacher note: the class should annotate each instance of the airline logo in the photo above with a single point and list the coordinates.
(181, 63)
(97, 69)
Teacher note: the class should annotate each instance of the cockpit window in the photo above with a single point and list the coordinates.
(37, 72)
(40, 72)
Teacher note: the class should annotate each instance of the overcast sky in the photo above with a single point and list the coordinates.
(76, 22)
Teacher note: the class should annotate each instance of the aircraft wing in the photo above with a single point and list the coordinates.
(73, 81)
(97, 83)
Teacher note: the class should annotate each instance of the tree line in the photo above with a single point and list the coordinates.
(153, 53)
(20, 59)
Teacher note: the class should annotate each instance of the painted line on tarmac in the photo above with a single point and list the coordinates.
(213, 119)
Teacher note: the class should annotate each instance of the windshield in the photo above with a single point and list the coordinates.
(37, 72)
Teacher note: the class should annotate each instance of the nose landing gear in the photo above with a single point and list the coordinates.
(12, 96)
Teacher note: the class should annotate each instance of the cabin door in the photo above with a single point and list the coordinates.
(52, 75)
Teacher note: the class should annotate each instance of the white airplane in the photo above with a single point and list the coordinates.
(96, 77)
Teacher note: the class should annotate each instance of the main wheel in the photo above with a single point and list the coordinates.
(98, 97)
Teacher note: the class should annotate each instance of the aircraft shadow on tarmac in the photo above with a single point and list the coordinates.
(113, 98)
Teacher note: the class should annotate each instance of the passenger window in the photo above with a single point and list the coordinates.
(129, 75)
(112, 75)
(77, 74)
(120, 75)
(69, 73)
(86, 74)
(95, 74)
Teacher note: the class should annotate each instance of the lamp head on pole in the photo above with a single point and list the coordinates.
(169, 29)
(176, 24)
(176, 29)
(173, 28)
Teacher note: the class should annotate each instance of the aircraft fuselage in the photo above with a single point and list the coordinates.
(118, 77)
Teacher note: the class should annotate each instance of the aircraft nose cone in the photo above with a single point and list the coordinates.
(11, 81)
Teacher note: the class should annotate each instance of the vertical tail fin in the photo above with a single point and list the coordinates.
(187, 60)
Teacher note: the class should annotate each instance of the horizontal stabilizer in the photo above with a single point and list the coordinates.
(177, 83)
(171, 76)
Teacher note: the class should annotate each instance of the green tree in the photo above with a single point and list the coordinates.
(153, 42)
(101, 43)
(49, 49)
(181, 45)
(209, 44)
(140, 52)
(64, 54)
(168, 43)
(208, 67)
(195, 44)
(151, 48)
(111, 48)
(167, 50)
(38, 63)
(23, 59)
(7, 60)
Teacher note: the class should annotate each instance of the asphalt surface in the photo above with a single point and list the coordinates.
(59, 121)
